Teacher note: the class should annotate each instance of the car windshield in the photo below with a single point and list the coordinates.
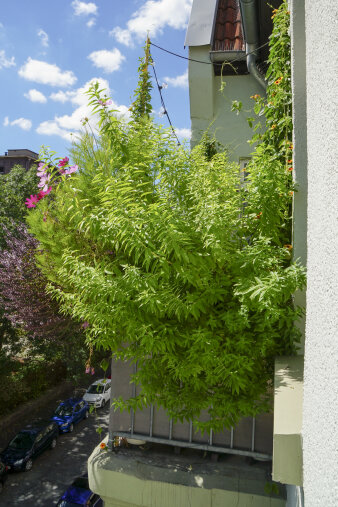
(95, 389)
(63, 410)
(23, 440)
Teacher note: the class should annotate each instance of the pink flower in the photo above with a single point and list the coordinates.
(64, 161)
(43, 193)
(105, 102)
(71, 170)
(44, 182)
(85, 324)
(42, 169)
(31, 201)
(92, 371)
(87, 369)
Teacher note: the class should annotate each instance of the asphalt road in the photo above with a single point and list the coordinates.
(54, 470)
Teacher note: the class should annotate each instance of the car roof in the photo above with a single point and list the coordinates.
(77, 495)
(101, 381)
(35, 426)
(70, 402)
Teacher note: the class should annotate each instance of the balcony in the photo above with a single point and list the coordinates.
(251, 437)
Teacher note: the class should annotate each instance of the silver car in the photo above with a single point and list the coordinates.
(98, 393)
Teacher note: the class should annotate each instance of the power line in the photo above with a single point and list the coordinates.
(162, 101)
(201, 61)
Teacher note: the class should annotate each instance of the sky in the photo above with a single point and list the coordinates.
(50, 52)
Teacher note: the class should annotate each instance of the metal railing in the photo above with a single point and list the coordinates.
(250, 437)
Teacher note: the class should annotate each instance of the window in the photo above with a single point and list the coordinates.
(243, 162)
(39, 437)
(2, 169)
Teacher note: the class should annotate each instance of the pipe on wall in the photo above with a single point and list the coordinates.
(250, 29)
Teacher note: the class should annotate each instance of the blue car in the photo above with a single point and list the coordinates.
(79, 494)
(70, 412)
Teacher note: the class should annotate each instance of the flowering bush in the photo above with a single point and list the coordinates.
(49, 173)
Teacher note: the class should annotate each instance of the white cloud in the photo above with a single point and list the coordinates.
(62, 126)
(43, 37)
(79, 97)
(107, 60)
(51, 128)
(61, 96)
(23, 123)
(6, 121)
(183, 133)
(151, 18)
(4, 61)
(46, 73)
(35, 96)
(178, 81)
(84, 9)
(91, 22)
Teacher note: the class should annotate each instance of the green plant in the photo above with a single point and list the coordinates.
(166, 257)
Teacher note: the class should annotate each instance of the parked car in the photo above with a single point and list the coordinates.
(28, 444)
(3, 475)
(80, 494)
(98, 393)
(70, 412)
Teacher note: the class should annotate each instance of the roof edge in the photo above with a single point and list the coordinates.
(201, 23)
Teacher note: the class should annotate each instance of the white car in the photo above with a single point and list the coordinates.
(98, 393)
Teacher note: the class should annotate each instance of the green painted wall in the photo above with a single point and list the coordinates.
(210, 108)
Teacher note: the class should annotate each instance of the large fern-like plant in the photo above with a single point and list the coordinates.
(150, 244)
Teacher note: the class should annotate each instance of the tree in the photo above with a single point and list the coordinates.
(14, 188)
(23, 291)
(160, 250)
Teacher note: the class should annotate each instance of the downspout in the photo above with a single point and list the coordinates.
(250, 29)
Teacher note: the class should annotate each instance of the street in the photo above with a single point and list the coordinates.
(55, 470)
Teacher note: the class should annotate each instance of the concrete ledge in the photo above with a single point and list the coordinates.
(288, 415)
(152, 478)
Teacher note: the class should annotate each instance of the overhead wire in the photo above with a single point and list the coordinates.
(201, 61)
(162, 101)
(165, 111)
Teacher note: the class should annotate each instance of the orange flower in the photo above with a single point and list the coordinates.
(273, 127)
(290, 161)
(103, 445)
(288, 247)
(255, 97)
(279, 80)
(290, 168)
(290, 193)
(258, 216)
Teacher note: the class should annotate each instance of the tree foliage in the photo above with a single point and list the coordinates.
(164, 253)
(14, 188)
(23, 291)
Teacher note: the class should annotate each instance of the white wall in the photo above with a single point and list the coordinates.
(320, 416)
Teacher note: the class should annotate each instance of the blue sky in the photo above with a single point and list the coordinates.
(51, 50)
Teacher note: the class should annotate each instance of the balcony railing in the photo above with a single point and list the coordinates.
(250, 437)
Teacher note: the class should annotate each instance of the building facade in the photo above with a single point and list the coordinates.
(305, 450)
(25, 158)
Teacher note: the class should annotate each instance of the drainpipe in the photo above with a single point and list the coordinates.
(250, 28)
